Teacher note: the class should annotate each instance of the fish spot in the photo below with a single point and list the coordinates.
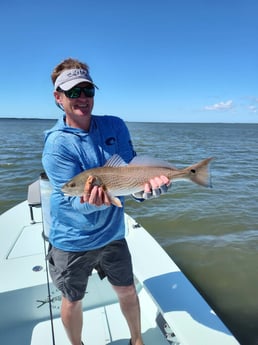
(193, 171)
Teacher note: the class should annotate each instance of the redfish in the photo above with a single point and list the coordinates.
(119, 178)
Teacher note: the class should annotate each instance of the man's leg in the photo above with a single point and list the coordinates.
(71, 313)
(130, 307)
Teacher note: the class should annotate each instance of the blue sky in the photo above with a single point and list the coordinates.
(164, 61)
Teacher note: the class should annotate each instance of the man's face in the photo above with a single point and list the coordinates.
(76, 108)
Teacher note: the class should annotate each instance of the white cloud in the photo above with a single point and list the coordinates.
(253, 108)
(220, 106)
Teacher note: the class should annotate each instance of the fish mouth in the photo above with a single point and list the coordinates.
(69, 193)
(65, 192)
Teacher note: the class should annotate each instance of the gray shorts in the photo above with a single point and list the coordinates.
(70, 270)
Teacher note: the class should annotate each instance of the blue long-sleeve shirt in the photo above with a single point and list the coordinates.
(68, 151)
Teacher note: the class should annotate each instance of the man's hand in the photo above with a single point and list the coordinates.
(94, 194)
(154, 188)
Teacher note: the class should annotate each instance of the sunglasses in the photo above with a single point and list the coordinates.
(76, 91)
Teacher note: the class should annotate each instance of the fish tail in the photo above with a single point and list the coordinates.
(200, 173)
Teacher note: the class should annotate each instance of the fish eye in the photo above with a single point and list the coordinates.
(193, 171)
(72, 184)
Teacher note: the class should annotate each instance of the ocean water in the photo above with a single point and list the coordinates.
(212, 234)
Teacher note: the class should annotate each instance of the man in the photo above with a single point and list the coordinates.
(88, 232)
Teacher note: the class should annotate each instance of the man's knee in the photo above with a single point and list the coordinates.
(125, 291)
(70, 305)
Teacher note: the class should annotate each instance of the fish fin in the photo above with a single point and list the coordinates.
(150, 161)
(115, 161)
(116, 201)
(200, 173)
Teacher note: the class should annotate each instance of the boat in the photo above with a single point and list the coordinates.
(172, 310)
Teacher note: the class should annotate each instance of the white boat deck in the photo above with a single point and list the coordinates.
(166, 296)
(103, 325)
